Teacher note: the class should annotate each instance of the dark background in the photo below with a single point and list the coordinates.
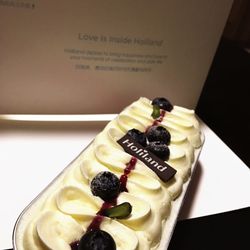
(225, 99)
(224, 107)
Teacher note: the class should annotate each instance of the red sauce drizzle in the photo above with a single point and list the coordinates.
(158, 120)
(74, 245)
(123, 179)
(163, 112)
(97, 220)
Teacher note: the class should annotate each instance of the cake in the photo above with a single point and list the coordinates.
(125, 190)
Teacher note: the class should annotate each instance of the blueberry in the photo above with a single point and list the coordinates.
(159, 149)
(138, 136)
(105, 185)
(162, 103)
(158, 133)
(97, 240)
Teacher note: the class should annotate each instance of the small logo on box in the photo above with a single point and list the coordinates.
(18, 4)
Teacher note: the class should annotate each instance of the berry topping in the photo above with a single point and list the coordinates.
(105, 185)
(162, 103)
(138, 136)
(159, 149)
(119, 212)
(158, 133)
(97, 240)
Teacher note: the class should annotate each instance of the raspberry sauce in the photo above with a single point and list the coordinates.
(160, 118)
(74, 245)
(123, 179)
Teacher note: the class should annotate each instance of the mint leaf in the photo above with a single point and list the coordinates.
(156, 112)
(119, 212)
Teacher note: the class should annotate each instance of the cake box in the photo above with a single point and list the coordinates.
(56, 56)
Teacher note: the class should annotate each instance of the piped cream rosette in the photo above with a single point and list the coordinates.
(65, 214)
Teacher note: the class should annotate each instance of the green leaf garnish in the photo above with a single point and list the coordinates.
(119, 212)
(156, 112)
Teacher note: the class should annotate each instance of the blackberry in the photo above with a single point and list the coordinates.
(138, 136)
(158, 149)
(158, 133)
(162, 103)
(105, 185)
(97, 240)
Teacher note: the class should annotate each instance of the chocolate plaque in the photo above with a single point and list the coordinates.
(161, 168)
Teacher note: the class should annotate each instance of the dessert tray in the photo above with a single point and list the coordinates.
(168, 224)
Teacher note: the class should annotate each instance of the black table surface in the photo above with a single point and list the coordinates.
(228, 230)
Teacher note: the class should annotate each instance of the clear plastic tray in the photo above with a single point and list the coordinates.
(167, 231)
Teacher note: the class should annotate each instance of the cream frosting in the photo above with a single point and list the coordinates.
(64, 212)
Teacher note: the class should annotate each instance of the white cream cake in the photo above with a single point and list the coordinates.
(124, 191)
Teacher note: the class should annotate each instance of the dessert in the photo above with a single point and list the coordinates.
(124, 191)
